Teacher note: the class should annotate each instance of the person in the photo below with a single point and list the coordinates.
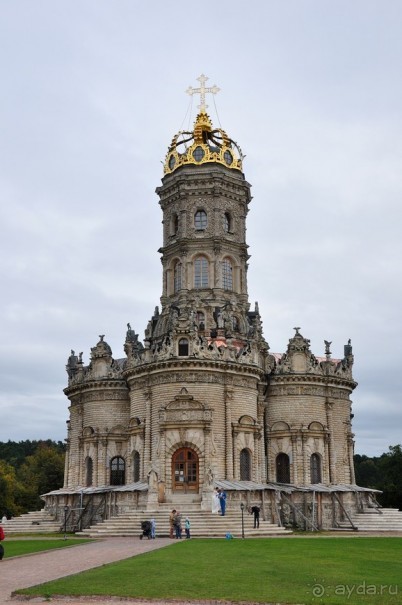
(187, 527)
(255, 510)
(216, 503)
(2, 536)
(177, 525)
(153, 529)
(171, 523)
(222, 500)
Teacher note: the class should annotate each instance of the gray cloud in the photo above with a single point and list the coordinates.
(91, 97)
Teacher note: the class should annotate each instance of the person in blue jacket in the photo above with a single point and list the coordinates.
(222, 500)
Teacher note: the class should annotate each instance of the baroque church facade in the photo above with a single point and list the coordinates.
(201, 401)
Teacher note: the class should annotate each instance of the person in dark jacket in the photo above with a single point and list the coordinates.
(255, 510)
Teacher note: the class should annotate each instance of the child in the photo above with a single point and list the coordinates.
(187, 527)
(153, 529)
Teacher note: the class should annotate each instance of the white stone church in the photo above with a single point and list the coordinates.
(201, 401)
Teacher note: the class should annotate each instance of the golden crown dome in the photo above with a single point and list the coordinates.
(205, 144)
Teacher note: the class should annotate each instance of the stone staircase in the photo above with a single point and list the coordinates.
(203, 524)
(35, 522)
(389, 519)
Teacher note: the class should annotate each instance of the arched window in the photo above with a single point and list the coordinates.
(227, 274)
(136, 466)
(88, 471)
(282, 468)
(315, 468)
(227, 222)
(200, 220)
(117, 471)
(245, 465)
(177, 276)
(183, 347)
(201, 269)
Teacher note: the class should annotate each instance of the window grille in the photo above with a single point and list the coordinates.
(227, 274)
(245, 465)
(315, 468)
(200, 220)
(282, 468)
(201, 268)
(177, 276)
(89, 472)
(136, 466)
(117, 471)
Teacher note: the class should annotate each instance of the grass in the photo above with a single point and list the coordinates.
(17, 548)
(266, 570)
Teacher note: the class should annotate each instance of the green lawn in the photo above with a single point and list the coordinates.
(302, 570)
(16, 548)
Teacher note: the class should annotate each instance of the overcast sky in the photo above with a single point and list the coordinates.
(91, 94)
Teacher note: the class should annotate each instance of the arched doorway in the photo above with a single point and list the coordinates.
(185, 470)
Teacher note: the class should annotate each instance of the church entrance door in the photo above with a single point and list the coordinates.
(185, 469)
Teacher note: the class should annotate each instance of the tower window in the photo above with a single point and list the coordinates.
(282, 468)
(177, 276)
(201, 268)
(183, 347)
(227, 274)
(227, 222)
(117, 471)
(315, 468)
(200, 220)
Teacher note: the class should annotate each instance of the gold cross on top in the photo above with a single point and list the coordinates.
(202, 90)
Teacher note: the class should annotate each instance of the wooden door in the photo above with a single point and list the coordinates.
(185, 470)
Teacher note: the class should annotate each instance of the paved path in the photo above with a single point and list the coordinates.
(22, 572)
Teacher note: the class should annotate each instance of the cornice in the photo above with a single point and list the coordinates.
(96, 385)
(276, 379)
(224, 367)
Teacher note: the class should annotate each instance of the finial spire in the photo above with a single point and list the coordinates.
(201, 91)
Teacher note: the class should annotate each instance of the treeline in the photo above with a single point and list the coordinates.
(383, 472)
(27, 470)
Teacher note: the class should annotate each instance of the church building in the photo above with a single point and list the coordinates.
(202, 402)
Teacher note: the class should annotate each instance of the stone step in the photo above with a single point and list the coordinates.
(389, 519)
(32, 522)
(203, 524)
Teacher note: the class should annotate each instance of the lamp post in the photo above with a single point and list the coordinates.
(65, 521)
(242, 519)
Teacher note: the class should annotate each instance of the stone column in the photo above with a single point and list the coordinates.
(228, 432)
(294, 438)
(331, 447)
(351, 448)
(148, 417)
(306, 461)
(261, 450)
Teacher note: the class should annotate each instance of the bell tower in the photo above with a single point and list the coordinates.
(204, 198)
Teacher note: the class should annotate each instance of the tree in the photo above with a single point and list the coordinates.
(41, 473)
(9, 487)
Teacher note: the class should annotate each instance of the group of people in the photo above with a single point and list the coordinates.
(219, 501)
(176, 525)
